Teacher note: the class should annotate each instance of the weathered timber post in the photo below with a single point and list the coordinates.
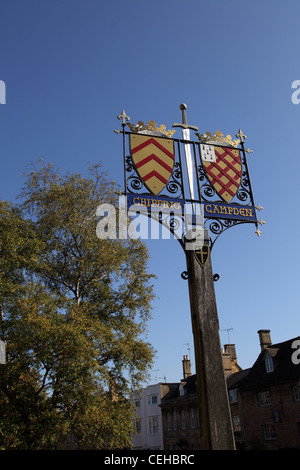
(214, 413)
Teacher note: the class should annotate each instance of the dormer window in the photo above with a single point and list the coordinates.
(269, 364)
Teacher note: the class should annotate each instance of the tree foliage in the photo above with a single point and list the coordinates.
(74, 313)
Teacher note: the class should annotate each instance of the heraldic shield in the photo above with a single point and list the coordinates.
(154, 159)
(202, 254)
(224, 171)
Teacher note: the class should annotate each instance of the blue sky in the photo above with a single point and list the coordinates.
(71, 66)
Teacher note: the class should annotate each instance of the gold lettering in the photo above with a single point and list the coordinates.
(145, 202)
(136, 200)
(223, 210)
(177, 205)
(227, 210)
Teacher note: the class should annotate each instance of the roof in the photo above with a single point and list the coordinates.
(233, 379)
(285, 370)
(189, 386)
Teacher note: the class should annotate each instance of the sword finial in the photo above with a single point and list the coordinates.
(184, 124)
(183, 108)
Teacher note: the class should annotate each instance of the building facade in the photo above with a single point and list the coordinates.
(148, 422)
(264, 403)
(156, 424)
(180, 416)
(265, 399)
(179, 406)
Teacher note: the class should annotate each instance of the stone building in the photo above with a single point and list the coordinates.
(180, 416)
(179, 406)
(265, 399)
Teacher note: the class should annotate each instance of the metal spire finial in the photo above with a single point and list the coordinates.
(124, 117)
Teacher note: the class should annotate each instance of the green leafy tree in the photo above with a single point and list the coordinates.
(74, 316)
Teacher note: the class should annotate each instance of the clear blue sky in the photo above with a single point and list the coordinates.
(71, 66)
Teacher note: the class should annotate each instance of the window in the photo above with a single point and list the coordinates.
(137, 403)
(269, 432)
(296, 392)
(233, 395)
(174, 421)
(168, 422)
(276, 416)
(182, 419)
(263, 398)
(152, 400)
(269, 364)
(138, 426)
(192, 418)
(236, 423)
(153, 425)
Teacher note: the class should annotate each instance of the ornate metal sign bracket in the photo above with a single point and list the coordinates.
(163, 175)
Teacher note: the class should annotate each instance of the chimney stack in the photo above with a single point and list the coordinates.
(230, 349)
(227, 364)
(186, 365)
(264, 338)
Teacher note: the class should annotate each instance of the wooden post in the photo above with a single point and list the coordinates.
(213, 406)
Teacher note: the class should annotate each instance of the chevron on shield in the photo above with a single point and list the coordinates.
(154, 159)
(224, 171)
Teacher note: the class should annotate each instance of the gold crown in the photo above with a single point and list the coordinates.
(150, 128)
(218, 138)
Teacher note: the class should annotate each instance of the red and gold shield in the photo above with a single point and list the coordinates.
(225, 172)
(154, 160)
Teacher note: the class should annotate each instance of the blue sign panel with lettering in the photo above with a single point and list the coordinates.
(219, 210)
(155, 203)
(211, 210)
